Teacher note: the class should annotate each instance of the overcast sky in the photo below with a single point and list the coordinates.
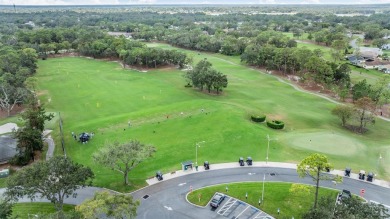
(156, 2)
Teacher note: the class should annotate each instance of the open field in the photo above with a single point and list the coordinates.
(371, 75)
(292, 202)
(101, 97)
(291, 35)
(28, 210)
(312, 46)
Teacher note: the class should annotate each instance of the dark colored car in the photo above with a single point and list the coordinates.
(345, 194)
(217, 200)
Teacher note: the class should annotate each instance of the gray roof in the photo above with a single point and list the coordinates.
(7, 147)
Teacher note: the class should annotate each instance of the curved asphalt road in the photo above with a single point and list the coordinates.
(167, 198)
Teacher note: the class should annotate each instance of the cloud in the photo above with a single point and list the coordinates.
(33, 2)
(311, 2)
(267, 2)
(142, 2)
(373, 2)
(152, 2)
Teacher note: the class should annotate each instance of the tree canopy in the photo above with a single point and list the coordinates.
(353, 207)
(55, 180)
(123, 157)
(314, 166)
(204, 76)
(111, 205)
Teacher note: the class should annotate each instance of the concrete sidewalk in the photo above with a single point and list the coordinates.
(213, 167)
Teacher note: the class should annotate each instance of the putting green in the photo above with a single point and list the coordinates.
(325, 142)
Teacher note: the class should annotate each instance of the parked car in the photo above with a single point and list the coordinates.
(217, 200)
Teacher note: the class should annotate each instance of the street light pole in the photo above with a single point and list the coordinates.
(262, 193)
(196, 152)
(266, 161)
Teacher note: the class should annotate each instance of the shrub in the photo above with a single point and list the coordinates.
(258, 118)
(275, 124)
(188, 85)
(20, 160)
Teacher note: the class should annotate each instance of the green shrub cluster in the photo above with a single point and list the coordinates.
(258, 118)
(275, 124)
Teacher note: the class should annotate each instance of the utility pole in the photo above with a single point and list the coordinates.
(196, 152)
(266, 159)
(262, 193)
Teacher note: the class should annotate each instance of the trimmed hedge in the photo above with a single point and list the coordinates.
(275, 124)
(258, 118)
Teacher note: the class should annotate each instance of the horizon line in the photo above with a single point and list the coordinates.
(218, 4)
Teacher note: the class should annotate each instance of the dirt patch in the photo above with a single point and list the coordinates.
(59, 55)
(42, 92)
(16, 110)
(275, 117)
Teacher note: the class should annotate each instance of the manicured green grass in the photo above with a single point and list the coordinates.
(371, 75)
(12, 119)
(22, 210)
(312, 46)
(291, 35)
(101, 97)
(292, 201)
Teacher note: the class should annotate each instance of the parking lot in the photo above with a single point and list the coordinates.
(236, 209)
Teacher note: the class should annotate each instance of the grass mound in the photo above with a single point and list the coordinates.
(326, 142)
(293, 200)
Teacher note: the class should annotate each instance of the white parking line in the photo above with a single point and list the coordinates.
(257, 216)
(225, 210)
(242, 212)
(223, 207)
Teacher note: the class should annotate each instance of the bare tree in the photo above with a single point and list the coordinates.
(11, 96)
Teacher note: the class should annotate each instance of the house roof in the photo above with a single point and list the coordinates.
(354, 58)
(7, 147)
(370, 52)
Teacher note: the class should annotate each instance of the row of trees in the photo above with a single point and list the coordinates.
(16, 66)
(299, 61)
(368, 100)
(204, 76)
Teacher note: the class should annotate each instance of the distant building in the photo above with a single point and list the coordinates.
(386, 47)
(370, 52)
(7, 148)
(356, 60)
(117, 34)
(30, 23)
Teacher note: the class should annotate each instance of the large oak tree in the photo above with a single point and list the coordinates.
(55, 180)
(123, 157)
